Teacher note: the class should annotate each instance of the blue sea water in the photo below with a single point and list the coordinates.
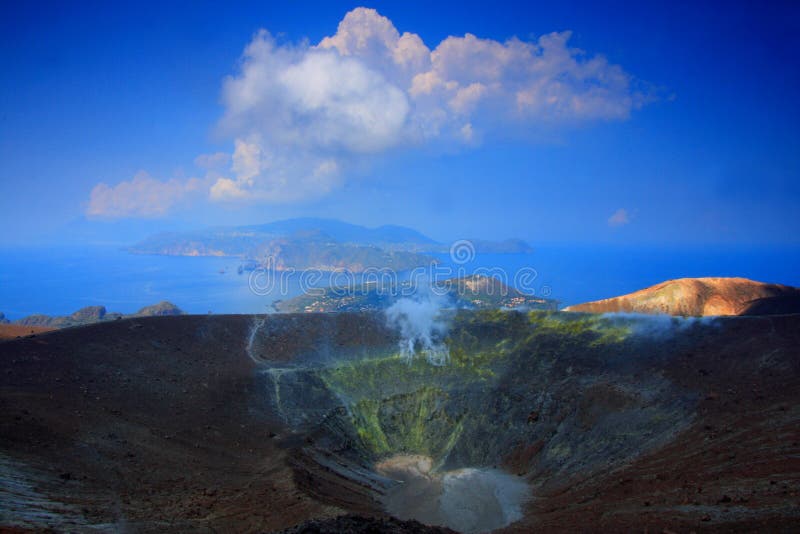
(58, 281)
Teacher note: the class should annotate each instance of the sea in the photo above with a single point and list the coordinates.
(60, 280)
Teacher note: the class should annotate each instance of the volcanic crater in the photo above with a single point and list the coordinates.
(539, 421)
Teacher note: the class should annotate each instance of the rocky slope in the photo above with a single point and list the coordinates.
(695, 297)
(243, 423)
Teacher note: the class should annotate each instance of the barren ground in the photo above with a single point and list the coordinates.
(172, 423)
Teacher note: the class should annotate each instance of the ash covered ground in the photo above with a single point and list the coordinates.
(243, 423)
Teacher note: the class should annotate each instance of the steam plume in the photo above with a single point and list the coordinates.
(421, 327)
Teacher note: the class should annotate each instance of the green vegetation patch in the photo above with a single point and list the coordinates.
(596, 330)
(416, 423)
(397, 406)
(392, 375)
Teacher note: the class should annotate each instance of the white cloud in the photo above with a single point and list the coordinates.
(261, 177)
(619, 218)
(216, 161)
(311, 98)
(247, 161)
(365, 34)
(467, 98)
(368, 88)
(466, 133)
(143, 196)
(301, 115)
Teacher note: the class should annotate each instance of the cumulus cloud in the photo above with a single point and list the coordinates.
(312, 98)
(301, 114)
(368, 88)
(619, 218)
(143, 196)
(487, 83)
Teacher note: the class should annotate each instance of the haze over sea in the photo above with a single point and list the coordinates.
(60, 280)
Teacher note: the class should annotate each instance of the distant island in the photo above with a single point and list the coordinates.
(39, 323)
(313, 243)
(474, 291)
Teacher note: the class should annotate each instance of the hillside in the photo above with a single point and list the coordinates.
(315, 251)
(701, 297)
(474, 291)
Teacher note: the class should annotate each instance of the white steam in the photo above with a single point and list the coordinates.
(659, 325)
(421, 327)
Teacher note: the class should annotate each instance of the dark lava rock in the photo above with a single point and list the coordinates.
(356, 524)
(779, 305)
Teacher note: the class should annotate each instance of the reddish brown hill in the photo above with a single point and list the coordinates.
(11, 331)
(698, 297)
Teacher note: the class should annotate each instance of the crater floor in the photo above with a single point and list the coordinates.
(466, 500)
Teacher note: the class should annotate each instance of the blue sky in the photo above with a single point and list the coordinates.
(676, 124)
